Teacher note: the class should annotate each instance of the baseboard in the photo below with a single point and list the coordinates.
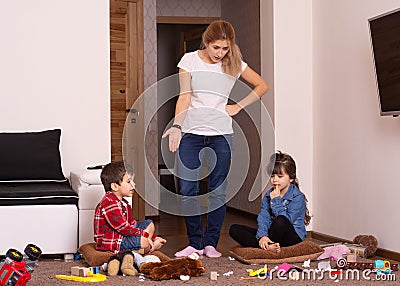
(241, 212)
(331, 239)
(154, 218)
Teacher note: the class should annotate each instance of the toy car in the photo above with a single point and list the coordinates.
(16, 268)
(382, 267)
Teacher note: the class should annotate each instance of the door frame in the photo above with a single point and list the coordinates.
(134, 86)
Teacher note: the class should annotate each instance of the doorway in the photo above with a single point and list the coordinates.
(173, 40)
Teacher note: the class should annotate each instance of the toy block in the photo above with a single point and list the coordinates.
(294, 275)
(351, 257)
(213, 275)
(75, 270)
(83, 272)
(79, 271)
(95, 269)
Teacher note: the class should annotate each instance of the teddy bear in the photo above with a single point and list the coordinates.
(368, 241)
(174, 268)
(122, 262)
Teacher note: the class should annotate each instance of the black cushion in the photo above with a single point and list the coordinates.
(31, 156)
(39, 193)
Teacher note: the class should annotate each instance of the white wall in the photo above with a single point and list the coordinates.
(356, 151)
(54, 73)
(327, 116)
(292, 22)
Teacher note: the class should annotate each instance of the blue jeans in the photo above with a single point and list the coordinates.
(135, 242)
(216, 151)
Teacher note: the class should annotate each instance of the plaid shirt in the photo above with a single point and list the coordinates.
(112, 221)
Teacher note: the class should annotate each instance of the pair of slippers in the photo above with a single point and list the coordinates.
(208, 251)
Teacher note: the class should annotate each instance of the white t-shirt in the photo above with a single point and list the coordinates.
(211, 87)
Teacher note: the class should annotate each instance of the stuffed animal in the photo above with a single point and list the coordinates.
(173, 269)
(122, 262)
(368, 241)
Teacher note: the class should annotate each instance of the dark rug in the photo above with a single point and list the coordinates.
(48, 268)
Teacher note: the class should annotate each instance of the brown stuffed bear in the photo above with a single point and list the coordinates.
(368, 241)
(122, 262)
(173, 268)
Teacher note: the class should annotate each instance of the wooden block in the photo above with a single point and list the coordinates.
(75, 270)
(351, 257)
(213, 275)
(294, 275)
(83, 271)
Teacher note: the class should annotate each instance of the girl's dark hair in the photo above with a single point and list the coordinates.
(223, 30)
(282, 162)
(114, 172)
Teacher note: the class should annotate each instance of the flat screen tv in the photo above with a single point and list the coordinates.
(385, 41)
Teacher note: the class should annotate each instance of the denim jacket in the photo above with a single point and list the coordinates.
(292, 205)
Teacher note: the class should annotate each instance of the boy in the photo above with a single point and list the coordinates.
(114, 227)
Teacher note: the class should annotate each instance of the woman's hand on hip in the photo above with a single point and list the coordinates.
(174, 138)
(233, 109)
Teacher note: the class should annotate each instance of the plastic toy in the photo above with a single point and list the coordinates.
(382, 267)
(17, 268)
(84, 274)
(264, 271)
(90, 278)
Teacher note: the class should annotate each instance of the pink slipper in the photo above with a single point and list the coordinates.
(211, 252)
(187, 251)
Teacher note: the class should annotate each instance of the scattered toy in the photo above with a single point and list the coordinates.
(214, 275)
(294, 275)
(284, 268)
(141, 278)
(173, 269)
(122, 263)
(16, 268)
(382, 267)
(184, 277)
(80, 271)
(264, 271)
(351, 257)
(90, 278)
(324, 265)
(306, 263)
(369, 242)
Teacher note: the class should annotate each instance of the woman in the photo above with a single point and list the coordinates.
(203, 120)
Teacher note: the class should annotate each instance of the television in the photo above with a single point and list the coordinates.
(385, 42)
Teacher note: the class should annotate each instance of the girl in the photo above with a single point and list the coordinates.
(203, 121)
(284, 214)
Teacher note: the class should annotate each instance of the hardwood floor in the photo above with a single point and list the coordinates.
(173, 229)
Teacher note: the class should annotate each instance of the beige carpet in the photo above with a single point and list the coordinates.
(48, 268)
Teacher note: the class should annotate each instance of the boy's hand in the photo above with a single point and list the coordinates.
(151, 243)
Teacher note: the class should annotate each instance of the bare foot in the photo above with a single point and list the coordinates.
(158, 243)
(274, 247)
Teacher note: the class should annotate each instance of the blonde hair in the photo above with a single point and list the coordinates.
(223, 30)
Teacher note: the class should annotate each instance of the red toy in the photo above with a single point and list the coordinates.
(16, 269)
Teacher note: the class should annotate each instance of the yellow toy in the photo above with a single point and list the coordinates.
(90, 277)
(259, 272)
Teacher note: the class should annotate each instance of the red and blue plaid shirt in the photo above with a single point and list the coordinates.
(112, 221)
